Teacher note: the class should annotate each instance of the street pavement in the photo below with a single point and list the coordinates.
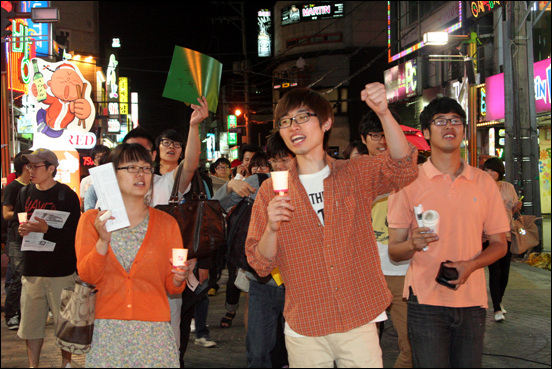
(521, 341)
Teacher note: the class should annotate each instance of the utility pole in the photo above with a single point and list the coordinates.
(521, 146)
(245, 65)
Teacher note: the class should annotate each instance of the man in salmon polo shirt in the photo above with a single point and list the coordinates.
(320, 235)
(446, 324)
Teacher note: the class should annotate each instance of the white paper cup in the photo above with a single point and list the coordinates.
(22, 217)
(179, 256)
(430, 218)
(280, 182)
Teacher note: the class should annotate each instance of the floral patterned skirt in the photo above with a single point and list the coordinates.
(132, 344)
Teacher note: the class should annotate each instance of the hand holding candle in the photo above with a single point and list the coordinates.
(22, 217)
(280, 182)
(179, 256)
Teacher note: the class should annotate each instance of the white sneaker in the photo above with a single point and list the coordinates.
(192, 326)
(502, 309)
(13, 323)
(499, 316)
(205, 342)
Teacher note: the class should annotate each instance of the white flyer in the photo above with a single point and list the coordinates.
(109, 196)
(54, 218)
(35, 241)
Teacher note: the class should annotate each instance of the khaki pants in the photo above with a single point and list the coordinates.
(398, 311)
(38, 295)
(357, 348)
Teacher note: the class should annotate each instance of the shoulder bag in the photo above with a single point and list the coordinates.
(201, 221)
(525, 234)
(75, 323)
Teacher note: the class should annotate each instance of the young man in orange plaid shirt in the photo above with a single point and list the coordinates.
(320, 234)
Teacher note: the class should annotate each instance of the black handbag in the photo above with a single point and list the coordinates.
(201, 221)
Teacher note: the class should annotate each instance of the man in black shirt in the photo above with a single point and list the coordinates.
(13, 242)
(45, 273)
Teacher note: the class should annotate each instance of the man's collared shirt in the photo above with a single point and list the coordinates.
(332, 272)
(467, 207)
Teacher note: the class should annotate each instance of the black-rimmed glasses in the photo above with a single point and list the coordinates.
(135, 169)
(441, 122)
(299, 118)
(167, 142)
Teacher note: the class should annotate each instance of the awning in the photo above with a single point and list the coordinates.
(416, 137)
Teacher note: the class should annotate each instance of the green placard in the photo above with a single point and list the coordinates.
(191, 75)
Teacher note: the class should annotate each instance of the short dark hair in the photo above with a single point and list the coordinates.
(276, 147)
(300, 97)
(249, 147)
(217, 162)
(497, 165)
(440, 105)
(140, 132)
(260, 158)
(370, 122)
(99, 149)
(171, 134)
(19, 163)
(129, 152)
(361, 148)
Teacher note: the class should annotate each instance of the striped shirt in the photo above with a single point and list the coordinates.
(332, 272)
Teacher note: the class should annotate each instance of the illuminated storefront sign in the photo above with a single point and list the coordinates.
(60, 97)
(232, 121)
(483, 7)
(311, 11)
(40, 32)
(402, 81)
(264, 39)
(123, 95)
(495, 91)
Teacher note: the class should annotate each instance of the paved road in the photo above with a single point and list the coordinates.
(522, 341)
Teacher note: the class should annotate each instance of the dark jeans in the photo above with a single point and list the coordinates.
(194, 304)
(232, 292)
(499, 272)
(443, 337)
(264, 339)
(13, 287)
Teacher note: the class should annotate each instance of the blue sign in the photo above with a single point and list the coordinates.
(41, 32)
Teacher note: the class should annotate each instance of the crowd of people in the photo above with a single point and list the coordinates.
(327, 260)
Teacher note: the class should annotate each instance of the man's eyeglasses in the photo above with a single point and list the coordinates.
(136, 169)
(257, 167)
(167, 142)
(441, 122)
(299, 118)
(33, 166)
(222, 167)
(278, 161)
(376, 136)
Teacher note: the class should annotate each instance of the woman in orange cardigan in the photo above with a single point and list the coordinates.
(132, 271)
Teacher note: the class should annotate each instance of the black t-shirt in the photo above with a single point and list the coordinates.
(10, 197)
(62, 261)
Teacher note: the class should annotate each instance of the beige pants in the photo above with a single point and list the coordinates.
(357, 348)
(398, 311)
(38, 295)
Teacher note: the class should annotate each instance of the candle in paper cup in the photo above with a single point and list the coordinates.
(179, 256)
(430, 218)
(280, 182)
(22, 217)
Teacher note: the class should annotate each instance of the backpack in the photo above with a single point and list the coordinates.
(238, 224)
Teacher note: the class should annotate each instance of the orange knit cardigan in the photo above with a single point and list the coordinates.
(140, 294)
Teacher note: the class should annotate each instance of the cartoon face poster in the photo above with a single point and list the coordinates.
(62, 97)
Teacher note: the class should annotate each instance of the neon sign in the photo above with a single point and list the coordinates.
(482, 7)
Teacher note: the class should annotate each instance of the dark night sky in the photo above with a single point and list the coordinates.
(148, 35)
